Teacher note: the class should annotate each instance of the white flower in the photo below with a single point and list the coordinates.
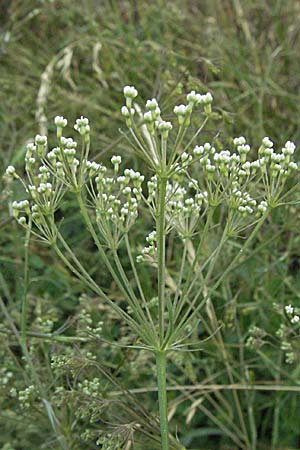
(192, 97)
(181, 110)
(289, 148)
(127, 112)
(165, 126)
(210, 168)
(289, 309)
(198, 150)
(22, 220)
(60, 121)
(148, 118)
(40, 140)
(295, 319)
(239, 141)
(130, 92)
(82, 125)
(152, 104)
(243, 149)
(116, 160)
(205, 99)
(10, 171)
(293, 165)
(267, 143)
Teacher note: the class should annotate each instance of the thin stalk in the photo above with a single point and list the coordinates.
(162, 398)
(137, 279)
(125, 289)
(85, 277)
(242, 250)
(189, 282)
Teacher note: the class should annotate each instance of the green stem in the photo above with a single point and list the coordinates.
(25, 286)
(161, 254)
(162, 398)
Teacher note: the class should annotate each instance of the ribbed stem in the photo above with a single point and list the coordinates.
(162, 398)
(161, 254)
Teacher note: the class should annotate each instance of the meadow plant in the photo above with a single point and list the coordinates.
(192, 186)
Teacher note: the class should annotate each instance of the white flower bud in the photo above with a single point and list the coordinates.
(164, 128)
(181, 110)
(60, 121)
(293, 165)
(152, 104)
(148, 118)
(295, 319)
(40, 140)
(127, 112)
(130, 92)
(116, 160)
(11, 172)
(198, 150)
(289, 309)
(239, 140)
(82, 126)
(267, 143)
(192, 97)
(22, 220)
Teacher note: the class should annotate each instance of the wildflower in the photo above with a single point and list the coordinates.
(130, 92)
(289, 309)
(82, 126)
(127, 112)
(206, 101)
(198, 150)
(239, 141)
(11, 172)
(116, 161)
(295, 319)
(41, 142)
(289, 148)
(181, 112)
(148, 117)
(152, 104)
(164, 128)
(61, 123)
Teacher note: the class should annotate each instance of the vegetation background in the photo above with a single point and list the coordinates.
(72, 58)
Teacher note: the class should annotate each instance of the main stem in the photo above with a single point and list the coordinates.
(162, 398)
(161, 353)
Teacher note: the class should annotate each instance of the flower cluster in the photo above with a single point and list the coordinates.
(116, 200)
(198, 177)
(149, 252)
(293, 314)
(51, 174)
(256, 338)
(27, 396)
(91, 388)
(287, 335)
(85, 325)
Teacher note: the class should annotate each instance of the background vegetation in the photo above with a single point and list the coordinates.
(71, 58)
